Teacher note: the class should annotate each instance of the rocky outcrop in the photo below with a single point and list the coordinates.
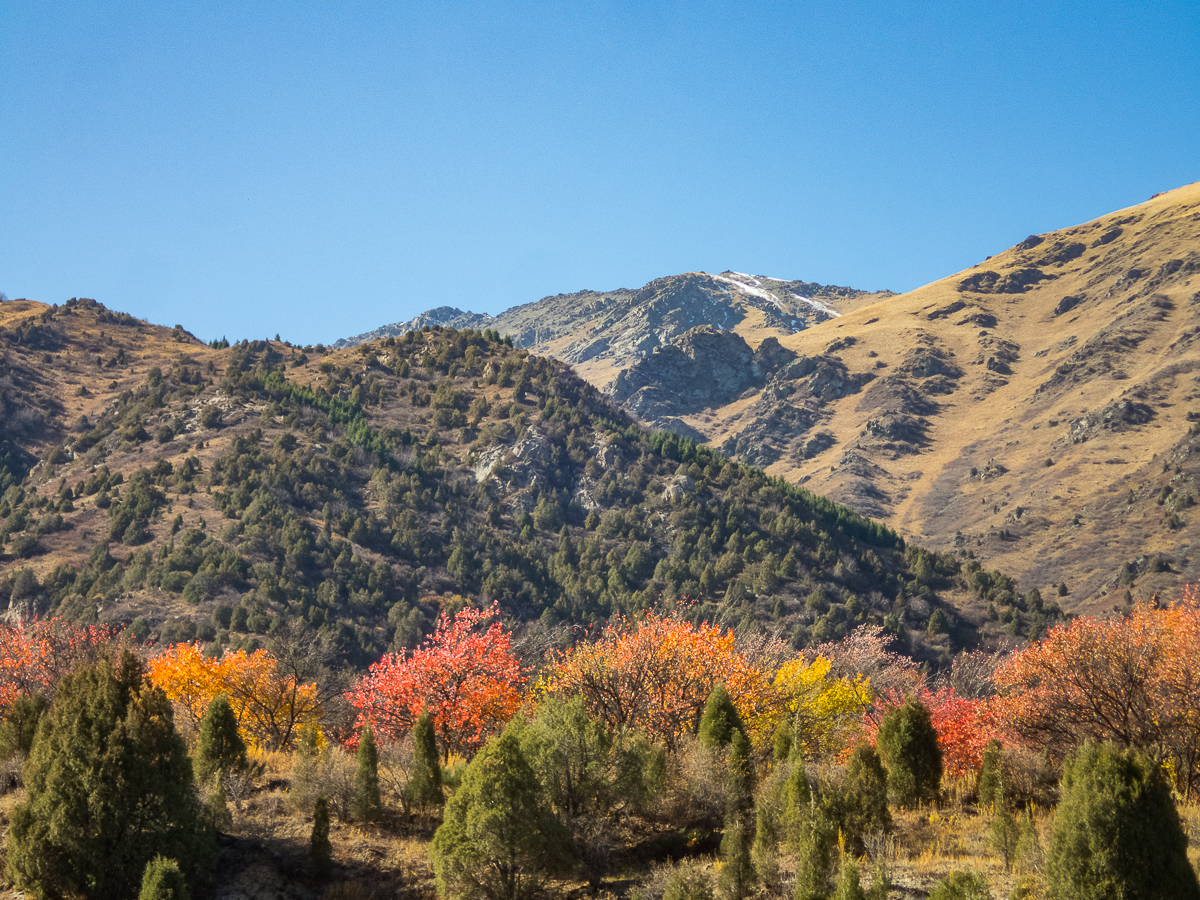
(705, 367)
(444, 316)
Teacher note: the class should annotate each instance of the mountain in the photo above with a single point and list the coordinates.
(1038, 409)
(602, 333)
(214, 492)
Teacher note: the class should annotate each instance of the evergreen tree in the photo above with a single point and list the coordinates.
(320, 850)
(864, 797)
(216, 807)
(366, 804)
(781, 747)
(498, 838)
(815, 851)
(849, 884)
(740, 794)
(1003, 830)
(737, 878)
(162, 880)
(720, 719)
(219, 748)
(989, 775)
(424, 786)
(796, 803)
(908, 744)
(106, 745)
(1116, 832)
(20, 725)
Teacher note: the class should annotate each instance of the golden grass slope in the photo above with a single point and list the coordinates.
(1065, 449)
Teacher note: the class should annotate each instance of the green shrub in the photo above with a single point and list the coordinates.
(320, 850)
(1116, 832)
(863, 802)
(720, 719)
(688, 882)
(366, 804)
(498, 838)
(961, 886)
(106, 744)
(20, 725)
(908, 744)
(162, 880)
(220, 750)
(424, 787)
(989, 775)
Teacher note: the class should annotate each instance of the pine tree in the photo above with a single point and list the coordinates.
(720, 719)
(908, 744)
(740, 793)
(106, 745)
(1116, 832)
(818, 839)
(219, 747)
(424, 787)
(320, 850)
(366, 804)
(162, 880)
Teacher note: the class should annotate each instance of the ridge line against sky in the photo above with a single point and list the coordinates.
(248, 168)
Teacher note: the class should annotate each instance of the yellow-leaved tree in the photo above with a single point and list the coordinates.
(271, 706)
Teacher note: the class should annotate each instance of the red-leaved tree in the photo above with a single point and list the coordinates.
(37, 653)
(466, 675)
(964, 725)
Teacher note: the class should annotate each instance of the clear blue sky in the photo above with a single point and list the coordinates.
(320, 169)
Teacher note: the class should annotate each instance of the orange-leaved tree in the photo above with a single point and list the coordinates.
(1130, 680)
(655, 672)
(271, 706)
(37, 653)
(465, 674)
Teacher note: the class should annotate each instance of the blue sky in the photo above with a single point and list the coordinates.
(321, 169)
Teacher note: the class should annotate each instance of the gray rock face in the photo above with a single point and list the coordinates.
(617, 328)
(704, 367)
(449, 316)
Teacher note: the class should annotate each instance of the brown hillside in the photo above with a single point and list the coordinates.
(1038, 409)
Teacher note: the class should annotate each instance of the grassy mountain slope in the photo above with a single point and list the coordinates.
(212, 492)
(1038, 409)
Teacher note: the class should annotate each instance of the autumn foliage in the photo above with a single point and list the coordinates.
(964, 725)
(271, 707)
(1132, 681)
(465, 674)
(36, 654)
(655, 672)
